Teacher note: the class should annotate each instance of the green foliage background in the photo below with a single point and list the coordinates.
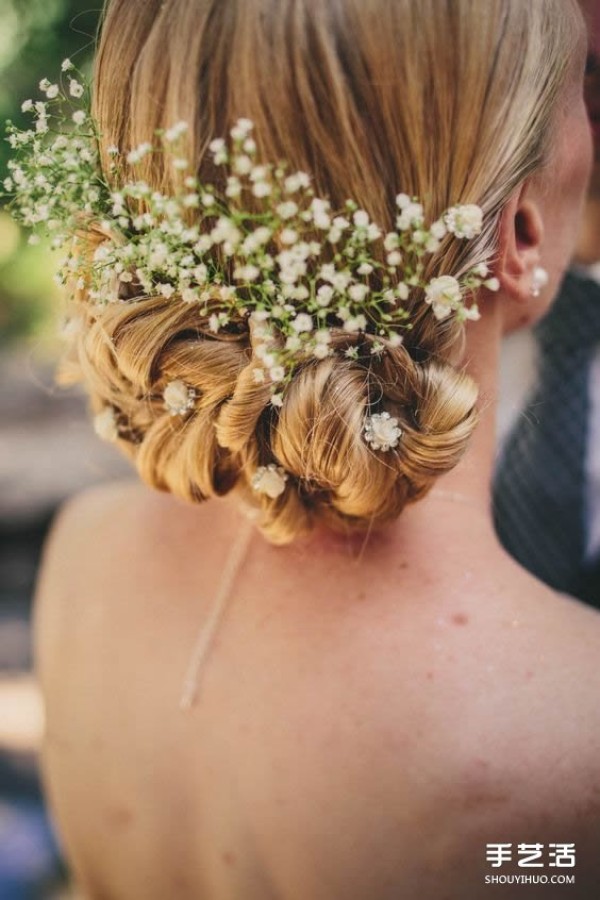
(35, 36)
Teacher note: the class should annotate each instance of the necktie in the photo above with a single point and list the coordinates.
(539, 487)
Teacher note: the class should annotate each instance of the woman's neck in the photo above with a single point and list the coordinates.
(464, 494)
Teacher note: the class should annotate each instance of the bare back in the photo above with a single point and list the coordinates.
(363, 729)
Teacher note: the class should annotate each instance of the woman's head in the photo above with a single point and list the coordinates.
(452, 102)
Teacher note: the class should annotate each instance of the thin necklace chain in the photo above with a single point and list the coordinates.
(207, 632)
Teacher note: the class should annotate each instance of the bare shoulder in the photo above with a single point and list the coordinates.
(104, 537)
(114, 520)
(110, 511)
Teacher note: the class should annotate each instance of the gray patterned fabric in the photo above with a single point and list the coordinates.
(539, 487)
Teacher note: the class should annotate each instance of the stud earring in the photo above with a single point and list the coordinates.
(538, 281)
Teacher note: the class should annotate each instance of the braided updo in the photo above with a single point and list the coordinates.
(346, 91)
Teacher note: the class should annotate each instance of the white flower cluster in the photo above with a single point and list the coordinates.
(269, 480)
(263, 253)
(382, 431)
(179, 397)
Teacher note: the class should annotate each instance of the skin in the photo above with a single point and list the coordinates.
(372, 712)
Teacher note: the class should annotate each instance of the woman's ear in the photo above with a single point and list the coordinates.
(519, 246)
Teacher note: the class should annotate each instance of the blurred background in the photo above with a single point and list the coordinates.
(48, 450)
(47, 447)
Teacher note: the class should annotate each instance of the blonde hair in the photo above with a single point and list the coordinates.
(451, 102)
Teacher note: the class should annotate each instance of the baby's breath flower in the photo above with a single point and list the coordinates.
(341, 280)
(76, 89)
(361, 218)
(269, 480)
(174, 133)
(464, 221)
(200, 274)
(296, 182)
(259, 173)
(341, 223)
(261, 189)
(277, 373)
(438, 230)
(246, 273)
(166, 290)
(105, 425)
(358, 292)
(234, 187)
(288, 236)
(321, 347)
(492, 284)
(79, 117)
(217, 321)
(287, 210)
(382, 431)
(242, 165)
(355, 323)
(302, 322)
(66, 65)
(412, 214)
(293, 343)
(179, 398)
(444, 295)
(241, 129)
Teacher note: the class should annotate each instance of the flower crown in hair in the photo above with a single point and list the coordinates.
(294, 270)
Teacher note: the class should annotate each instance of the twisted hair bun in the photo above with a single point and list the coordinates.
(321, 86)
(128, 353)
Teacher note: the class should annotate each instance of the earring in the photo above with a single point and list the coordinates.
(539, 281)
